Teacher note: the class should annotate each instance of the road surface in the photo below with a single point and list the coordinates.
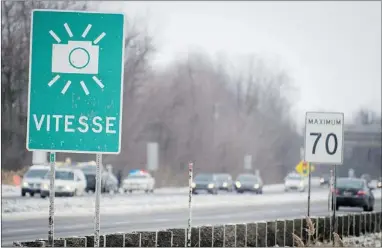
(31, 229)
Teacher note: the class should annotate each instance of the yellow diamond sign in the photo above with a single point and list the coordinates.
(302, 168)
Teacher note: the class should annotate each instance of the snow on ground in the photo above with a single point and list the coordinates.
(114, 204)
(10, 190)
(368, 240)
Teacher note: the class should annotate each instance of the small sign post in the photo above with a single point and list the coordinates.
(190, 176)
(52, 160)
(324, 144)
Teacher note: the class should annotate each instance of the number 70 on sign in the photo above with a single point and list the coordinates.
(324, 137)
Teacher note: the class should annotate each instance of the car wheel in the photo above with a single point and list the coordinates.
(371, 209)
(43, 196)
(286, 190)
(366, 208)
(240, 192)
(152, 191)
(130, 191)
(23, 193)
(31, 194)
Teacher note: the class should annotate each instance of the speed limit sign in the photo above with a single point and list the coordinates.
(324, 137)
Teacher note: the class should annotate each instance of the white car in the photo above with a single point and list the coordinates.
(138, 180)
(69, 182)
(31, 182)
(295, 182)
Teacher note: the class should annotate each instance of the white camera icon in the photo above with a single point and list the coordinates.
(80, 57)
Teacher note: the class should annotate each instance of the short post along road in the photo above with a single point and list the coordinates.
(76, 77)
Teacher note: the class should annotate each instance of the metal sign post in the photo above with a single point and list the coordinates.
(190, 175)
(309, 186)
(52, 159)
(97, 200)
(334, 202)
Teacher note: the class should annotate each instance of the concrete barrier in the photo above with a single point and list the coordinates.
(259, 234)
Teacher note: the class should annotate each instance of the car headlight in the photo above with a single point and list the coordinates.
(25, 184)
(68, 188)
(379, 184)
(301, 184)
(45, 186)
(225, 184)
(238, 184)
(322, 180)
(193, 185)
(211, 185)
(256, 186)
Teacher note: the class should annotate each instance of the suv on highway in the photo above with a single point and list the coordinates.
(69, 182)
(294, 181)
(109, 182)
(32, 179)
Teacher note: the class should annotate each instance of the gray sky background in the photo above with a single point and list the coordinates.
(332, 49)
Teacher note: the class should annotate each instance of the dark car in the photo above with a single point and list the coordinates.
(109, 182)
(325, 180)
(249, 183)
(206, 183)
(224, 182)
(354, 192)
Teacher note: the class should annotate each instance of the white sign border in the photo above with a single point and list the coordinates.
(122, 81)
(343, 135)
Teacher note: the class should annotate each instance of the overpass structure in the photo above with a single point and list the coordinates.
(362, 150)
(362, 135)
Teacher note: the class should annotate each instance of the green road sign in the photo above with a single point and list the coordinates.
(75, 82)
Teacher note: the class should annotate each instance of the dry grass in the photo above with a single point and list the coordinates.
(7, 175)
(312, 239)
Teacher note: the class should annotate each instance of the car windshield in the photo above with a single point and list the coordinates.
(63, 175)
(350, 183)
(294, 177)
(247, 178)
(137, 176)
(203, 177)
(222, 177)
(40, 173)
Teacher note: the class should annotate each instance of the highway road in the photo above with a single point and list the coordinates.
(31, 229)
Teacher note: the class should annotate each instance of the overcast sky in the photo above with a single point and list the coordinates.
(332, 49)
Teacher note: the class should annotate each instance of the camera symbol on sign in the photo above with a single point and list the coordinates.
(76, 57)
(79, 57)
